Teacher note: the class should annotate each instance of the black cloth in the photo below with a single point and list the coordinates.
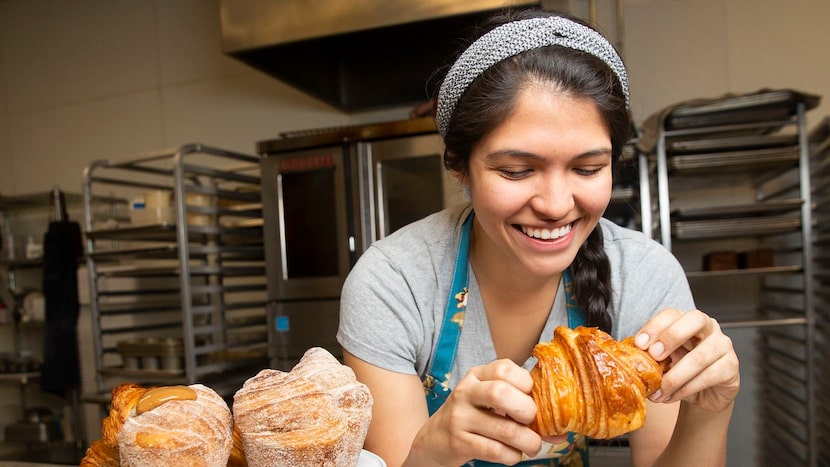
(62, 248)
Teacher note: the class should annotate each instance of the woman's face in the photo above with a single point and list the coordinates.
(540, 182)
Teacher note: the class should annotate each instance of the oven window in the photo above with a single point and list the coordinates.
(412, 189)
(310, 223)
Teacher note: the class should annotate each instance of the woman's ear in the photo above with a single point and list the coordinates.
(460, 177)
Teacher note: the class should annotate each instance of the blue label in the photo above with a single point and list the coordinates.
(282, 323)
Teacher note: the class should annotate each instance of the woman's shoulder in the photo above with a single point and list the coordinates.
(628, 248)
(623, 238)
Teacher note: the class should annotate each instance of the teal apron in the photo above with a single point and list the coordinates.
(574, 452)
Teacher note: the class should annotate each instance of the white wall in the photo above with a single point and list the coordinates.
(92, 79)
(683, 49)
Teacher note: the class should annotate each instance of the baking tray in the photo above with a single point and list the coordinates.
(741, 160)
(748, 226)
(737, 210)
(763, 106)
(733, 143)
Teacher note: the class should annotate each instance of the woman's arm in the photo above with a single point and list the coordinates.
(702, 379)
(398, 412)
(485, 417)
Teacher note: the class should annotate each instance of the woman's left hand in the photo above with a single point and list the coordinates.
(702, 364)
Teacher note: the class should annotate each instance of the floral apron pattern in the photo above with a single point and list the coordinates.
(574, 451)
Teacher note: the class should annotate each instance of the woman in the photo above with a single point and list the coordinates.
(534, 114)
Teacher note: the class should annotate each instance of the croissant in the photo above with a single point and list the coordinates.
(316, 415)
(586, 382)
(104, 452)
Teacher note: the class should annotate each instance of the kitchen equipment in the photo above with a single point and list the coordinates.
(327, 195)
(352, 55)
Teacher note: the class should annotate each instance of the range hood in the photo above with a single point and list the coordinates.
(353, 54)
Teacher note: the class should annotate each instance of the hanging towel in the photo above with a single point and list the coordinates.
(62, 247)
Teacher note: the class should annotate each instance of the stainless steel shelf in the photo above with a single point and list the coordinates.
(793, 269)
(197, 277)
(760, 142)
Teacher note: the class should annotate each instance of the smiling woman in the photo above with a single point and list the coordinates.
(534, 116)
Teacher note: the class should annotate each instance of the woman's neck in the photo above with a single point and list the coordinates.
(517, 305)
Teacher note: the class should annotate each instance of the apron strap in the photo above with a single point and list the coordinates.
(456, 303)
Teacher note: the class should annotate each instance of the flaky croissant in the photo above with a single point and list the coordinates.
(586, 382)
(104, 452)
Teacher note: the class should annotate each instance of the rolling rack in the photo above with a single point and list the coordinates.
(734, 205)
(177, 290)
(819, 141)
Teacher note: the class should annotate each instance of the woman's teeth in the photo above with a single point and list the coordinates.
(547, 234)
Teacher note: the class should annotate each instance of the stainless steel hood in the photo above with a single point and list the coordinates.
(353, 54)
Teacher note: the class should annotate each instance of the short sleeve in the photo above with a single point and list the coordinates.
(380, 320)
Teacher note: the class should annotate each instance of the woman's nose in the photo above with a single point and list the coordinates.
(553, 200)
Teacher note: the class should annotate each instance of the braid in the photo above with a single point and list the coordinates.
(591, 273)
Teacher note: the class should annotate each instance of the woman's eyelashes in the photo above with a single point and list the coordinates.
(515, 174)
(587, 172)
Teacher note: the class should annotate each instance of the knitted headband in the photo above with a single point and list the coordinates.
(513, 38)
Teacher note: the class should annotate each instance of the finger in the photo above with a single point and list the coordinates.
(686, 329)
(692, 370)
(649, 333)
(714, 388)
(515, 436)
(504, 399)
(505, 370)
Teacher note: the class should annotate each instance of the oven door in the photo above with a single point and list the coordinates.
(307, 240)
(294, 327)
(400, 181)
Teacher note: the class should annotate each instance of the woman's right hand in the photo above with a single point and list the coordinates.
(485, 417)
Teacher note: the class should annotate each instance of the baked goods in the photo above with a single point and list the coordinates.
(317, 414)
(237, 457)
(104, 452)
(164, 426)
(588, 383)
(177, 425)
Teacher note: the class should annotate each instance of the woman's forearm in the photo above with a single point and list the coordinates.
(699, 437)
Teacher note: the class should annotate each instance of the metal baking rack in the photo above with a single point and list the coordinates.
(819, 143)
(196, 285)
(754, 147)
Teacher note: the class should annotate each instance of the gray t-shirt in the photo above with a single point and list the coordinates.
(392, 304)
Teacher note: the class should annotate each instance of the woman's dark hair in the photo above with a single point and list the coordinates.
(489, 100)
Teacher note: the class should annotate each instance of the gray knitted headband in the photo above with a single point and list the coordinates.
(513, 38)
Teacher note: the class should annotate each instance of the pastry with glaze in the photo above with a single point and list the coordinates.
(177, 425)
(104, 452)
(586, 382)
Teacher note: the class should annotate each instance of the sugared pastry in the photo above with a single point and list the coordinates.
(104, 452)
(177, 425)
(315, 415)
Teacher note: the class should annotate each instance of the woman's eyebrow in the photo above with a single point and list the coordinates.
(495, 155)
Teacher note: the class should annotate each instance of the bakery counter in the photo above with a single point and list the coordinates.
(28, 464)
(39, 454)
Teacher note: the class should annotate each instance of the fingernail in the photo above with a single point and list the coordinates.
(641, 340)
(656, 349)
(656, 396)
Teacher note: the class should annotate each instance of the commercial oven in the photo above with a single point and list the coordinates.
(327, 195)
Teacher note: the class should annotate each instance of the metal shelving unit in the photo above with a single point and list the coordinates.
(173, 301)
(751, 148)
(819, 141)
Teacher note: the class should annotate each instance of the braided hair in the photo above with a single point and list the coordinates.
(490, 98)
